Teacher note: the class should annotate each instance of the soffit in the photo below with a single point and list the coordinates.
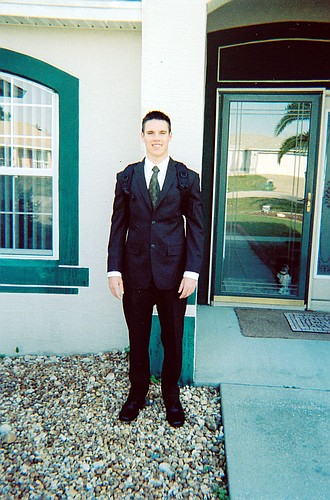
(99, 14)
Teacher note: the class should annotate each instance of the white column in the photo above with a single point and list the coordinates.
(173, 71)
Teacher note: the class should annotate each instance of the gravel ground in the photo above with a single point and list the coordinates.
(60, 436)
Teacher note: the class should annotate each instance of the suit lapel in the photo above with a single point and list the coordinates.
(169, 180)
(141, 182)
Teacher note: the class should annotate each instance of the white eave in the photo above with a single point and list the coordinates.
(97, 14)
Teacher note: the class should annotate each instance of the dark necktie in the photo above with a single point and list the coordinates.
(154, 188)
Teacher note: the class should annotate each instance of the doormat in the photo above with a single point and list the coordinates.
(308, 322)
(272, 324)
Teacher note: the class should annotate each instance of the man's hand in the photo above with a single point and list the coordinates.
(187, 287)
(116, 286)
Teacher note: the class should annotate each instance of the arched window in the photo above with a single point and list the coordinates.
(28, 168)
(39, 177)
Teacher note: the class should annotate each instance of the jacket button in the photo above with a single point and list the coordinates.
(153, 246)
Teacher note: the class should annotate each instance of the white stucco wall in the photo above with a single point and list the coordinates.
(108, 66)
(117, 87)
(173, 72)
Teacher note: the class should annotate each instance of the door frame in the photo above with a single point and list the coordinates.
(219, 181)
(319, 285)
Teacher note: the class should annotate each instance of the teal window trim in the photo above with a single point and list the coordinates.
(65, 273)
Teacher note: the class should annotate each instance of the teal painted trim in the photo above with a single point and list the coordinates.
(44, 275)
(191, 301)
(19, 263)
(33, 289)
(156, 351)
(69, 173)
(188, 347)
(67, 88)
(188, 364)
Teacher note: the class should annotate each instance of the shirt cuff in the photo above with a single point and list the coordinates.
(187, 274)
(191, 274)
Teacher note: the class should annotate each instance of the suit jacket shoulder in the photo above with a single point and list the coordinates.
(182, 166)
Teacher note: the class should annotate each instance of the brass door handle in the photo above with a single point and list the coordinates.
(309, 202)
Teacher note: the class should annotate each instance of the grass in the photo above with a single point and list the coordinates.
(220, 492)
(256, 203)
(247, 219)
(247, 212)
(255, 226)
(249, 183)
(155, 380)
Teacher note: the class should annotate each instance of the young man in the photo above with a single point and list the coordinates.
(154, 259)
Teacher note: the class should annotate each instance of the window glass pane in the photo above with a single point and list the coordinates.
(6, 230)
(5, 115)
(5, 132)
(5, 86)
(33, 194)
(32, 222)
(26, 92)
(32, 121)
(25, 156)
(6, 208)
(6, 192)
(267, 152)
(5, 156)
(35, 232)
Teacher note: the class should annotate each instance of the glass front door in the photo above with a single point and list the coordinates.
(265, 176)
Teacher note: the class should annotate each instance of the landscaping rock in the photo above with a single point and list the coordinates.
(61, 438)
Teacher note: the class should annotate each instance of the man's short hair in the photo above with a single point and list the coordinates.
(156, 115)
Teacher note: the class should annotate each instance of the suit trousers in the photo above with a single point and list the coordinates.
(138, 307)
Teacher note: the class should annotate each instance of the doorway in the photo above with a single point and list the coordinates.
(266, 156)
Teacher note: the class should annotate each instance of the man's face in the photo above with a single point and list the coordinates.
(156, 137)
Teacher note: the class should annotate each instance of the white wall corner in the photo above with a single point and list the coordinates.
(173, 71)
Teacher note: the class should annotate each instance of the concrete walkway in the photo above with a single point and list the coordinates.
(275, 405)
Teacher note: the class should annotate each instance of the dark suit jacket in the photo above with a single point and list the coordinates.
(148, 243)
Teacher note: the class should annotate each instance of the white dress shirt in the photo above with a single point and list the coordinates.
(148, 166)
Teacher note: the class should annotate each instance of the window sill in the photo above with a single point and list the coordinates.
(41, 277)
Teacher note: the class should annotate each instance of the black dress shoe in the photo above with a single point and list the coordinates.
(175, 415)
(130, 410)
